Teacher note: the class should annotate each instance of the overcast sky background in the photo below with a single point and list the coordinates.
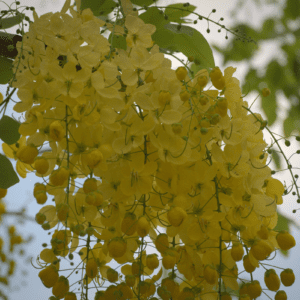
(29, 287)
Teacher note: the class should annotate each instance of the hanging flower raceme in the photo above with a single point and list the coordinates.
(178, 163)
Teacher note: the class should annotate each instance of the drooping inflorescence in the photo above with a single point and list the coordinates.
(147, 167)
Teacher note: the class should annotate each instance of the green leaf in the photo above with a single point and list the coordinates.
(9, 130)
(11, 21)
(276, 159)
(191, 42)
(118, 41)
(284, 223)
(237, 50)
(292, 9)
(176, 12)
(6, 72)
(187, 40)
(268, 29)
(274, 73)
(153, 16)
(291, 123)
(8, 176)
(252, 81)
(269, 106)
(100, 7)
(143, 2)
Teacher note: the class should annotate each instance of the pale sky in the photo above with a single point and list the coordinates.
(21, 194)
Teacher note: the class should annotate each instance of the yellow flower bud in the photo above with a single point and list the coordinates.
(40, 218)
(215, 74)
(164, 98)
(210, 274)
(184, 95)
(237, 252)
(247, 264)
(90, 185)
(225, 296)
(27, 154)
(202, 81)
(142, 227)
(41, 197)
(94, 158)
(285, 240)
(59, 177)
(112, 275)
(272, 280)
(129, 223)
(62, 210)
(70, 296)
(41, 165)
(169, 261)
(181, 73)
(287, 277)
(117, 247)
(152, 261)
(130, 280)
(281, 295)
(261, 250)
(254, 289)
(176, 216)
(219, 84)
(162, 242)
(137, 268)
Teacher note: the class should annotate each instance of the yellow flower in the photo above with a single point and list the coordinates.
(68, 80)
(176, 216)
(139, 33)
(11, 152)
(70, 296)
(61, 287)
(49, 276)
(91, 268)
(129, 223)
(56, 131)
(162, 242)
(140, 59)
(117, 247)
(210, 274)
(275, 189)
(138, 180)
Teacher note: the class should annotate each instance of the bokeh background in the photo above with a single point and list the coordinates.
(270, 62)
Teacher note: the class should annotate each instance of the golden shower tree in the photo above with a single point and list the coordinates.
(149, 168)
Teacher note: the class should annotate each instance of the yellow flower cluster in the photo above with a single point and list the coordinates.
(168, 160)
